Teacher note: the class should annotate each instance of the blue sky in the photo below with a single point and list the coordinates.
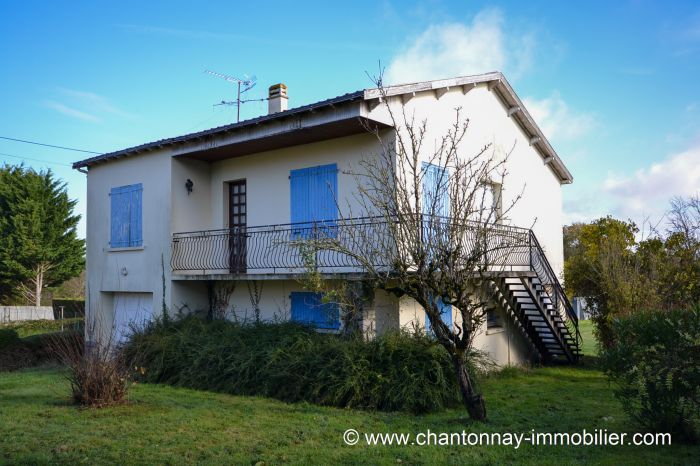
(614, 87)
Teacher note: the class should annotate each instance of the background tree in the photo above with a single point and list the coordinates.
(681, 274)
(621, 275)
(603, 266)
(431, 234)
(39, 246)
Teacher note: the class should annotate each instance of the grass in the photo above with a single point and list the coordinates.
(589, 347)
(168, 425)
(37, 327)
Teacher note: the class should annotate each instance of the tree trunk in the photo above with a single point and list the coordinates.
(39, 285)
(473, 401)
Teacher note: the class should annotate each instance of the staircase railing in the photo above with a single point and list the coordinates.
(541, 266)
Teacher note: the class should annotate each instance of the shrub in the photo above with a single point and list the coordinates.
(97, 374)
(44, 346)
(14, 354)
(8, 338)
(293, 363)
(655, 364)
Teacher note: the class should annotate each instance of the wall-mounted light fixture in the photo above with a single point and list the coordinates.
(189, 185)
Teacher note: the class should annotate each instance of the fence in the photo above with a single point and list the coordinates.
(19, 313)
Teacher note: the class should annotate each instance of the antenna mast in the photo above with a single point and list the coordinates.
(243, 85)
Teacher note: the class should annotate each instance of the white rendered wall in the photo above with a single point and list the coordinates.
(505, 346)
(128, 270)
(489, 124)
(191, 211)
(267, 178)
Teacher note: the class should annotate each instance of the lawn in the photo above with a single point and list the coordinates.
(589, 346)
(36, 327)
(167, 425)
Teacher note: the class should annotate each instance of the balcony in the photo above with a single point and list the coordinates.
(279, 249)
(523, 280)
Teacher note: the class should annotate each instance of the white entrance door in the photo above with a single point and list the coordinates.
(131, 310)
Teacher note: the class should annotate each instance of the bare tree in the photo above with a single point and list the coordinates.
(427, 228)
(684, 218)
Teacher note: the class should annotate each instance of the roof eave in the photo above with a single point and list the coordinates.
(189, 138)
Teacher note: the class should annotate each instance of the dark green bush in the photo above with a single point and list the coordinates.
(8, 338)
(655, 364)
(14, 354)
(293, 363)
(43, 345)
(33, 327)
(72, 308)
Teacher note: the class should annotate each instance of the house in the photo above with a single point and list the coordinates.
(164, 219)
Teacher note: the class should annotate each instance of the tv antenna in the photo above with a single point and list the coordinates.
(244, 85)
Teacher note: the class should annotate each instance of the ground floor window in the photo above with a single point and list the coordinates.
(493, 319)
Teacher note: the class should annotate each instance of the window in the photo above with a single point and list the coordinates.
(125, 216)
(309, 308)
(493, 320)
(313, 200)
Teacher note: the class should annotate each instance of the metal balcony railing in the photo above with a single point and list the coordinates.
(279, 248)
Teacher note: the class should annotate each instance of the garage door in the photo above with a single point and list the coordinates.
(131, 310)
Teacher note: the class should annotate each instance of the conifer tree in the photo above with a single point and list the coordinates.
(39, 245)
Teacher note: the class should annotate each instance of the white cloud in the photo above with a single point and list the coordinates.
(457, 49)
(86, 106)
(557, 120)
(648, 191)
(70, 111)
(95, 102)
(486, 44)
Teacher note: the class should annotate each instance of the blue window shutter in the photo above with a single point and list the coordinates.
(135, 220)
(435, 190)
(119, 218)
(436, 201)
(300, 208)
(308, 308)
(445, 315)
(445, 312)
(313, 199)
(324, 188)
(125, 216)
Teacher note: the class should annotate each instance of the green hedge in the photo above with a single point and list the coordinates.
(18, 353)
(655, 364)
(8, 338)
(293, 363)
(32, 327)
(72, 308)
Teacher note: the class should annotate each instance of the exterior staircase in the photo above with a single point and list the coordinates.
(536, 302)
(548, 331)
